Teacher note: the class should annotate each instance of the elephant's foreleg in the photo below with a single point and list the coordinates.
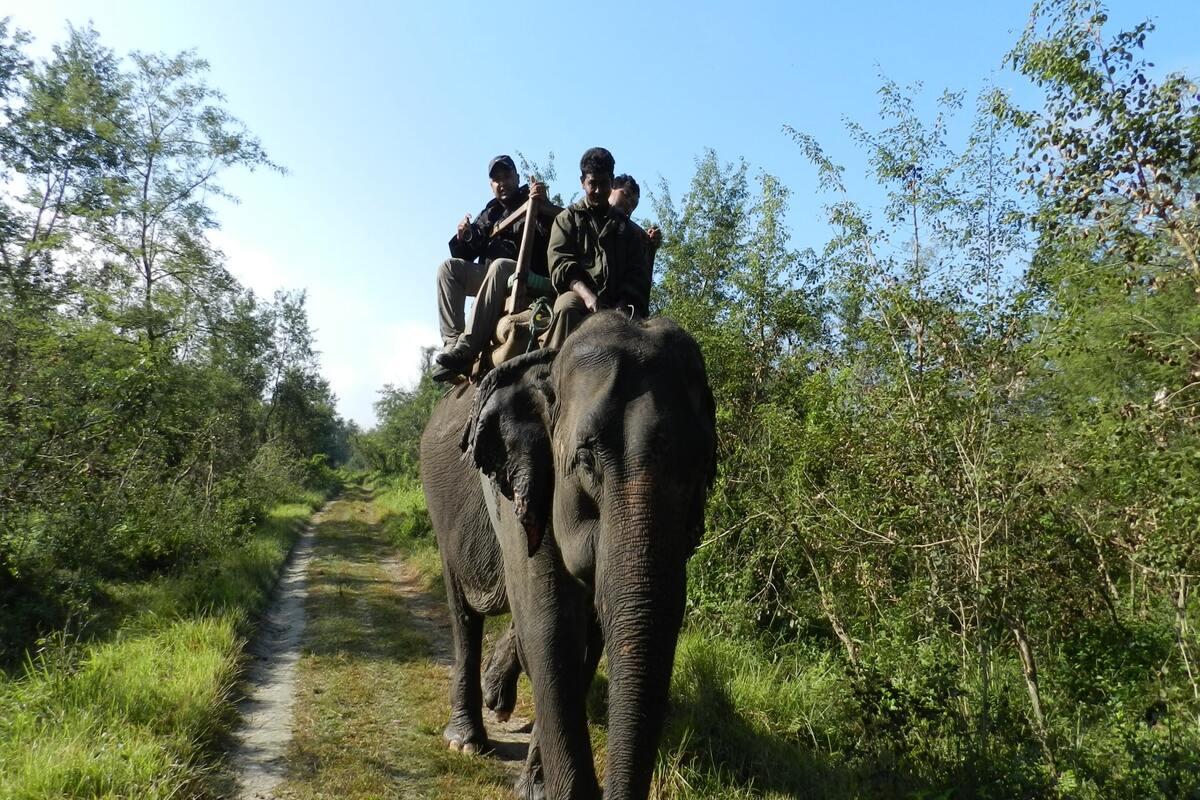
(531, 783)
(465, 730)
(552, 632)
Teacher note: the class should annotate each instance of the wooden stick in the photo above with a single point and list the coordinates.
(545, 209)
(516, 298)
(508, 221)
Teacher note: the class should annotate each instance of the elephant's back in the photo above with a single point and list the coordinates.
(444, 430)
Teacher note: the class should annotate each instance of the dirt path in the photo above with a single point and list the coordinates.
(351, 676)
(261, 742)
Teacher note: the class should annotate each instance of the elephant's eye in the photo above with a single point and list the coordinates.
(585, 462)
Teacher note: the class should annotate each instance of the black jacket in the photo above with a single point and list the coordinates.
(507, 244)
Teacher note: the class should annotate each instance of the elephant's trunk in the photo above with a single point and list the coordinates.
(640, 598)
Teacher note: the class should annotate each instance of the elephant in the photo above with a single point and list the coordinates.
(570, 487)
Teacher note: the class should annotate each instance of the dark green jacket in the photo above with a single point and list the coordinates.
(608, 252)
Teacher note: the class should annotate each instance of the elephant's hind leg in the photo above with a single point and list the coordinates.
(465, 731)
(500, 677)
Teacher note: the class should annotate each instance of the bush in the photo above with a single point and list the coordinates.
(274, 474)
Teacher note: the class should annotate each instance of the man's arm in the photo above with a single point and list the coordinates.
(471, 240)
(564, 254)
(637, 274)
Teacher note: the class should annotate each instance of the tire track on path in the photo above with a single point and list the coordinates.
(261, 742)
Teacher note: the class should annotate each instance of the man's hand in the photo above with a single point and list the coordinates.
(586, 295)
(655, 236)
(464, 229)
(537, 189)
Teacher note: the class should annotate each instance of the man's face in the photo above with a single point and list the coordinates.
(504, 183)
(596, 189)
(623, 200)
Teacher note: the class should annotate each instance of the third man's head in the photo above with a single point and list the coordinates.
(625, 194)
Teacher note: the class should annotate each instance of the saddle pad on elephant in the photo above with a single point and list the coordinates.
(513, 333)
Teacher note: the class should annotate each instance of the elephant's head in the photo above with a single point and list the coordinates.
(609, 447)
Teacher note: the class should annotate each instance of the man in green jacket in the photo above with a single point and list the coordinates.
(598, 257)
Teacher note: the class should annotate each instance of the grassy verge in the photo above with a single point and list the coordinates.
(399, 509)
(744, 724)
(135, 715)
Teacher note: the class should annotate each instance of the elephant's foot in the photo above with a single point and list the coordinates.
(529, 785)
(500, 693)
(465, 737)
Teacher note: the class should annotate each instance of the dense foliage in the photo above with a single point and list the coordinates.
(151, 409)
(960, 444)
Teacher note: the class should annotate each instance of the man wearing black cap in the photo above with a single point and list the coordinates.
(473, 249)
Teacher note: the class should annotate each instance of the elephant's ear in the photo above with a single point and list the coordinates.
(508, 437)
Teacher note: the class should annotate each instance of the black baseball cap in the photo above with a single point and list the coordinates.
(501, 161)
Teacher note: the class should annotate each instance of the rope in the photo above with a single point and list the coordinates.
(539, 321)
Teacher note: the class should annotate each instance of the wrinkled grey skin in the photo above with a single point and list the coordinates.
(600, 459)
(500, 675)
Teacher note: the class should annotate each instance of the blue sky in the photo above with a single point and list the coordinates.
(386, 114)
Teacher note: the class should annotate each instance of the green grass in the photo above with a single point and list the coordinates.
(744, 724)
(400, 504)
(139, 713)
(371, 695)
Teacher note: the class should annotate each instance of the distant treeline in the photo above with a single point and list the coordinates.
(150, 407)
(960, 442)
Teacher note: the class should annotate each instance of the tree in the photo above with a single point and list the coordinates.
(1112, 146)
(1114, 161)
(393, 446)
(175, 137)
(61, 140)
(132, 366)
